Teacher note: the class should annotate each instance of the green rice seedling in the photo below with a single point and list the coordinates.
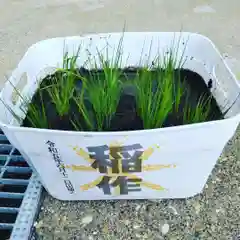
(178, 87)
(197, 114)
(172, 63)
(15, 115)
(155, 92)
(153, 105)
(85, 113)
(105, 96)
(160, 93)
(76, 123)
(231, 105)
(62, 89)
(104, 90)
(36, 115)
(178, 91)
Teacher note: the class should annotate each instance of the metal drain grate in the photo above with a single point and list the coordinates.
(20, 193)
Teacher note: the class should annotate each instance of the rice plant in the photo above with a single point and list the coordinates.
(199, 113)
(160, 93)
(34, 114)
(13, 113)
(84, 112)
(63, 85)
(155, 92)
(154, 99)
(104, 90)
(172, 63)
(178, 90)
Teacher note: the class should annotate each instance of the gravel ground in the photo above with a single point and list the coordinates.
(214, 214)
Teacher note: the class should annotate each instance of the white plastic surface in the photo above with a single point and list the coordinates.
(161, 163)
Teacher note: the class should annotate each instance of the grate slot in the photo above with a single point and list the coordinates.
(17, 175)
(17, 162)
(13, 188)
(16, 152)
(4, 141)
(11, 195)
(10, 202)
(3, 159)
(5, 149)
(5, 234)
(6, 217)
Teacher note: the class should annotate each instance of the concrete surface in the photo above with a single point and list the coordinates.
(24, 22)
(213, 215)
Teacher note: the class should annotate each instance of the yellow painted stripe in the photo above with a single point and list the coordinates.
(82, 153)
(147, 153)
(157, 167)
(152, 186)
(81, 168)
(91, 184)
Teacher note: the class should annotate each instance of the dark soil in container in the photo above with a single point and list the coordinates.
(126, 117)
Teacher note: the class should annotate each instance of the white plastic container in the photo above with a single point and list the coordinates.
(171, 162)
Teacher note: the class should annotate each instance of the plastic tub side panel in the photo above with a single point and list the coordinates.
(174, 164)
